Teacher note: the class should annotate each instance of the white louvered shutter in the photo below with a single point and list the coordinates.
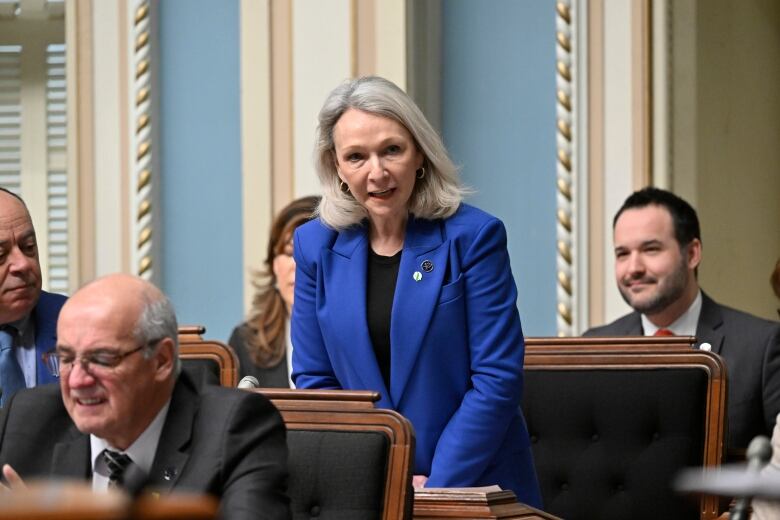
(10, 117)
(56, 171)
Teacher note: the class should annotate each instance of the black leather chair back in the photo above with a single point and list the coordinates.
(337, 475)
(609, 432)
(348, 460)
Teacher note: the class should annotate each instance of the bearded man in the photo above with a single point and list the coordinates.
(658, 250)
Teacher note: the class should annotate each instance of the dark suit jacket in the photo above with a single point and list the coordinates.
(750, 347)
(269, 377)
(225, 442)
(457, 345)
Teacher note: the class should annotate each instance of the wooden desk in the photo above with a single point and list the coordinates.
(67, 500)
(473, 503)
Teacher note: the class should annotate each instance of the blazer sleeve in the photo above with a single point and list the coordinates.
(476, 431)
(311, 366)
(254, 457)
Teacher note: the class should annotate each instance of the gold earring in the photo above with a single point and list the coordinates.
(344, 187)
(421, 172)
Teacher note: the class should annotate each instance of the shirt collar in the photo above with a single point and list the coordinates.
(141, 451)
(21, 325)
(685, 325)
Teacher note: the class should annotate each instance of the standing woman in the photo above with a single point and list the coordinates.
(261, 342)
(403, 289)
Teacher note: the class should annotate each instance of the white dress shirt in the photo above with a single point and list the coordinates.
(685, 325)
(141, 452)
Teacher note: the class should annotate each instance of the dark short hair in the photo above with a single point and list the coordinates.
(684, 218)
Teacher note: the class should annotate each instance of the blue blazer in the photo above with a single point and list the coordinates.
(456, 343)
(45, 315)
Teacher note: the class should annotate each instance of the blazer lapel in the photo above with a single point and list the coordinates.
(172, 450)
(416, 295)
(345, 269)
(632, 326)
(71, 457)
(708, 329)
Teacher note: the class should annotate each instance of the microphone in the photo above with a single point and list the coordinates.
(249, 382)
(758, 453)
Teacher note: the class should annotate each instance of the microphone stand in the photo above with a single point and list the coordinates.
(758, 454)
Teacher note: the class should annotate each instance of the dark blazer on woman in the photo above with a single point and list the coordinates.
(456, 343)
(275, 376)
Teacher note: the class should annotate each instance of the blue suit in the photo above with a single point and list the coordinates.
(45, 315)
(456, 341)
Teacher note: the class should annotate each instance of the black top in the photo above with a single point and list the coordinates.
(269, 377)
(382, 275)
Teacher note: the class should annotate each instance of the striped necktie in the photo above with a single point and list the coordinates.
(11, 375)
(116, 463)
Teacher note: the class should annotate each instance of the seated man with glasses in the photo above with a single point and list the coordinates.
(123, 408)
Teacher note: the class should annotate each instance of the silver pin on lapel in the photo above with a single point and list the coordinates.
(417, 276)
(427, 266)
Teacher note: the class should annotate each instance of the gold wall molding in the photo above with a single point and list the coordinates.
(145, 172)
(565, 66)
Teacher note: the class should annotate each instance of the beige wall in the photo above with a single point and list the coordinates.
(735, 147)
(292, 55)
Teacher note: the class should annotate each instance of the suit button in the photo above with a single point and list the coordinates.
(595, 437)
(564, 487)
(314, 511)
(534, 439)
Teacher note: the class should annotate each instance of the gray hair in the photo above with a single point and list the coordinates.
(437, 195)
(157, 322)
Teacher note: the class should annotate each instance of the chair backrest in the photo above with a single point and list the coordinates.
(207, 360)
(348, 460)
(612, 420)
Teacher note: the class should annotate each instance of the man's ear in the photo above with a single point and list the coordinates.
(165, 359)
(693, 258)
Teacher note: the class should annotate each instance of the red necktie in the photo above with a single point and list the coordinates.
(663, 332)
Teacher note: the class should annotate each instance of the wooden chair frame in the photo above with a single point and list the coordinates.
(193, 346)
(339, 410)
(644, 353)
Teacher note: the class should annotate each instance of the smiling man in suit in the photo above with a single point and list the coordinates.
(28, 315)
(123, 403)
(658, 250)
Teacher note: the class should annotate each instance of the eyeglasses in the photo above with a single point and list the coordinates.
(97, 361)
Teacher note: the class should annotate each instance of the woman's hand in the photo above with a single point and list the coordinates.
(418, 481)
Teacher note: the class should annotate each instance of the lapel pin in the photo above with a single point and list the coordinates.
(170, 473)
(705, 347)
(427, 266)
(417, 276)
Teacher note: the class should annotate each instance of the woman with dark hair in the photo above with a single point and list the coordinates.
(404, 289)
(262, 343)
